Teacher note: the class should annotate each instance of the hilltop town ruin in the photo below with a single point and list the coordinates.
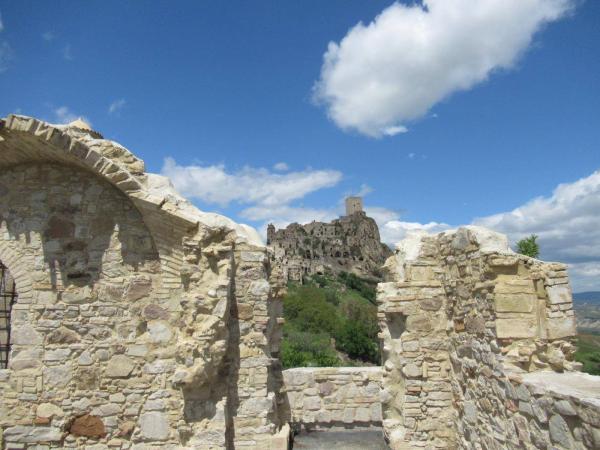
(348, 244)
(135, 321)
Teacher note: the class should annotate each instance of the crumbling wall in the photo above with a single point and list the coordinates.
(140, 320)
(323, 397)
(463, 318)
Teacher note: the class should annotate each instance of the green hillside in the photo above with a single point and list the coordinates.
(330, 322)
(588, 352)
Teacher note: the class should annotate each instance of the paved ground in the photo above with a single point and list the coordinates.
(341, 439)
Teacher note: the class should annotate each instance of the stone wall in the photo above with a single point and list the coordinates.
(464, 322)
(322, 397)
(140, 322)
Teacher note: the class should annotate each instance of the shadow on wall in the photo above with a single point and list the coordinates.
(86, 226)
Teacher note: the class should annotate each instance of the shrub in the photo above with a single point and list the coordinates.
(302, 349)
(355, 342)
(528, 246)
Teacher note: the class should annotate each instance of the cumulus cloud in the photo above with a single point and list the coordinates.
(385, 74)
(64, 115)
(116, 106)
(281, 167)
(567, 223)
(213, 184)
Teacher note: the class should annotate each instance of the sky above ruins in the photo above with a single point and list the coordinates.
(441, 113)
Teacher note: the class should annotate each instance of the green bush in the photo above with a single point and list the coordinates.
(353, 340)
(367, 290)
(528, 246)
(301, 349)
(324, 310)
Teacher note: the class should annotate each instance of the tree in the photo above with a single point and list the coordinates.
(528, 246)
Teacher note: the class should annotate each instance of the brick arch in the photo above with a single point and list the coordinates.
(26, 140)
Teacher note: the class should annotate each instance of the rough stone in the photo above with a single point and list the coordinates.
(87, 425)
(119, 366)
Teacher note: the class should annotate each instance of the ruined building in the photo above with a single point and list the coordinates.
(350, 244)
(129, 319)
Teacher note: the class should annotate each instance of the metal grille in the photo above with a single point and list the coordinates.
(8, 297)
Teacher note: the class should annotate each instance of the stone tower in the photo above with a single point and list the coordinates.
(353, 205)
(270, 233)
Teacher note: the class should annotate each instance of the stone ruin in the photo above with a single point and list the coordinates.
(348, 244)
(139, 322)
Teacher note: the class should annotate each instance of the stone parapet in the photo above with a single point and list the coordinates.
(323, 397)
(467, 325)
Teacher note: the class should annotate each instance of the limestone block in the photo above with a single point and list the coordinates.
(159, 331)
(154, 426)
(516, 328)
(518, 303)
(26, 359)
(47, 410)
(119, 366)
(418, 322)
(63, 336)
(311, 403)
(560, 293)
(561, 327)
(25, 335)
(559, 432)
(60, 376)
(259, 288)
(31, 434)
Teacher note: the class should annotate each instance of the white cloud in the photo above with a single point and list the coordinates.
(67, 53)
(385, 74)
(213, 184)
(64, 115)
(48, 36)
(281, 167)
(116, 106)
(568, 226)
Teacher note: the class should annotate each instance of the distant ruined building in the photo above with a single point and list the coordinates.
(348, 244)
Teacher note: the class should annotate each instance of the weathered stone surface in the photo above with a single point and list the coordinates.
(350, 244)
(516, 328)
(63, 336)
(31, 434)
(461, 380)
(48, 410)
(119, 366)
(155, 312)
(560, 293)
(154, 426)
(87, 425)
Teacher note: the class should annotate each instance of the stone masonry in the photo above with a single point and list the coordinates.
(324, 397)
(348, 244)
(140, 322)
(478, 347)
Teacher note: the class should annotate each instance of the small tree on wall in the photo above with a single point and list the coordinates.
(528, 246)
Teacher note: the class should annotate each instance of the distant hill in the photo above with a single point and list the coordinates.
(589, 297)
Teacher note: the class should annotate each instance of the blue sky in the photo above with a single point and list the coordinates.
(490, 108)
